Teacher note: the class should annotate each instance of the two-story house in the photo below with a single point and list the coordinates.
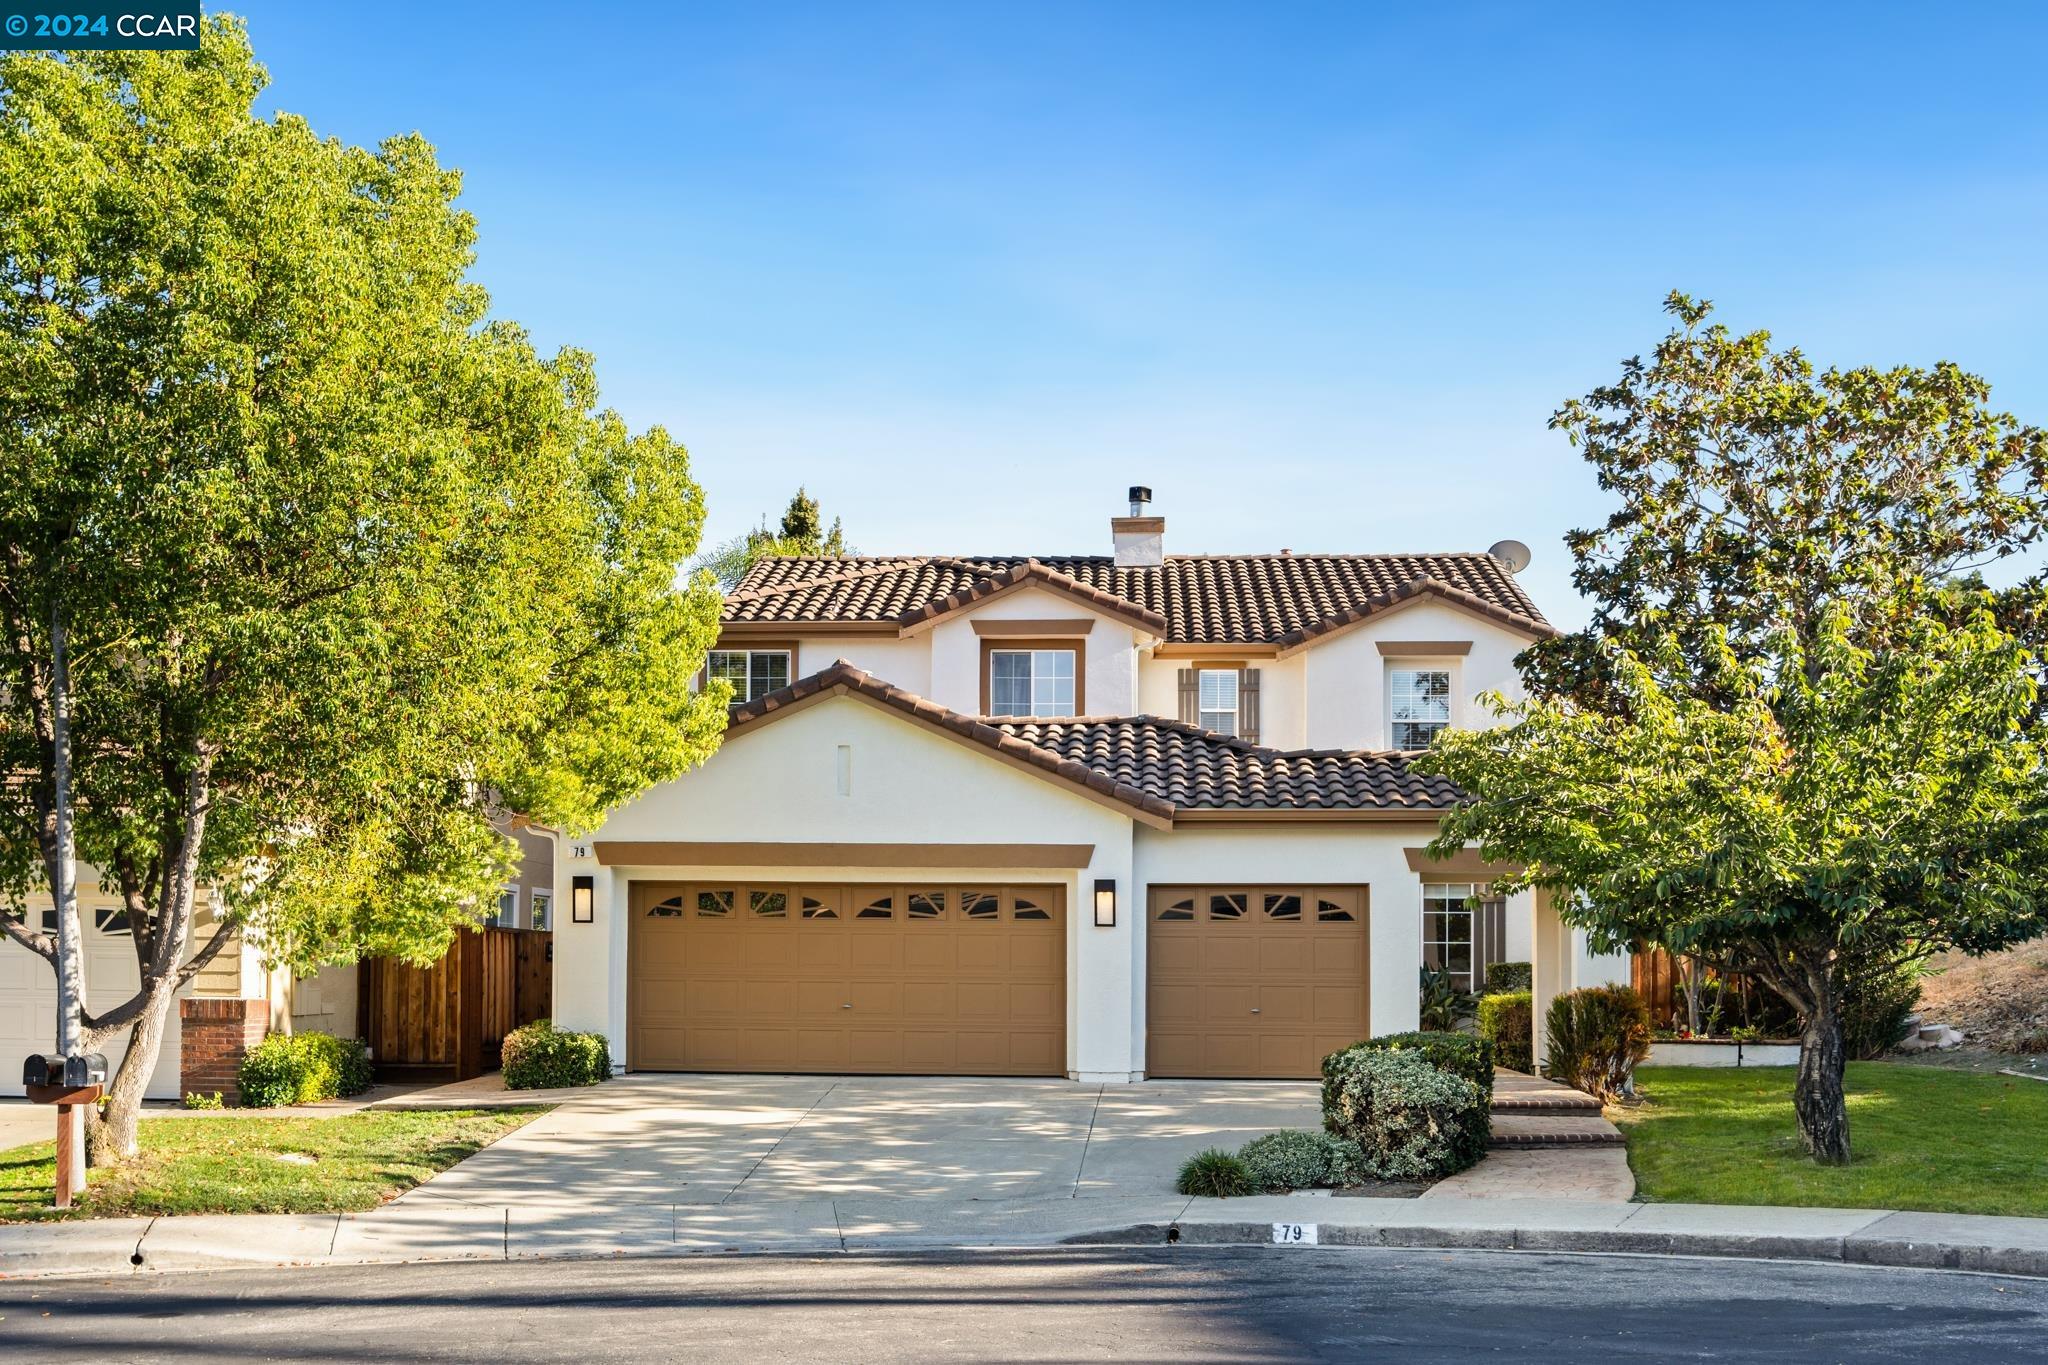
(1105, 817)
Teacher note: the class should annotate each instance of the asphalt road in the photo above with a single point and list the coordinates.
(1081, 1304)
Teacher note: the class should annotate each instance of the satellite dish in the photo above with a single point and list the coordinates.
(1513, 553)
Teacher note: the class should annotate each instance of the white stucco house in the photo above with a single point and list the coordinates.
(1104, 817)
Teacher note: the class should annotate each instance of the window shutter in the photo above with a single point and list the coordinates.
(1190, 697)
(1248, 704)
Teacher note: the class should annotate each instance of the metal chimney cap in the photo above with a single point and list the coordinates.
(1139, 493)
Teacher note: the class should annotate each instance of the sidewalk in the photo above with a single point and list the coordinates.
(444, 1230)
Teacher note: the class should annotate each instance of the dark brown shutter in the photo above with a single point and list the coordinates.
(1190, 697)
(1248, 704)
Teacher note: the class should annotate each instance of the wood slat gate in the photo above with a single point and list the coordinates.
(449, 1020)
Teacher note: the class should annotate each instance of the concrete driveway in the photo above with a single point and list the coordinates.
(725, 1140)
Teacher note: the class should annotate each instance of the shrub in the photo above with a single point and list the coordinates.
(1507, 1020)
(1443, 1004)
(1296, 1159)
(1214, 1174)
(302, 1068)
(1461, 1054)
(1878, 994)
(1597, 1036)
(542, 1057)
(195, 1099)
(1411, 1120)
(1505, 978)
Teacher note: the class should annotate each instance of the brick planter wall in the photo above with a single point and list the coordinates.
(216, 1035)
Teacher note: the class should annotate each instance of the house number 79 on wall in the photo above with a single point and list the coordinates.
(1294, 1234)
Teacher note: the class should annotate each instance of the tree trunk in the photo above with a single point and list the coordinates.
(112, 1136)
(1817, 1094)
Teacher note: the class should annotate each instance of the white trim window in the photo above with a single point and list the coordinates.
(1447, 924)
(1418, 706)
(753, 673)
(1216, 704)
(543, 909)
(506, 916)
(1031, 682)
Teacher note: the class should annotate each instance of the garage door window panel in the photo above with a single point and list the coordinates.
(926, 906)
(672, 908)
(980, 907)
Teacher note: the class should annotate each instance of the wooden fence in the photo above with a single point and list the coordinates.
(1654, 974)
(449, 1020)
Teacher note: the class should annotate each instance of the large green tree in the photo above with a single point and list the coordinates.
(1791, 735)
(345, 568)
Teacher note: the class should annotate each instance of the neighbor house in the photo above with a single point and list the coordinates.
(1106, 817)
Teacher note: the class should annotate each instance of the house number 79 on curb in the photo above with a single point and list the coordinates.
(1294, 1234)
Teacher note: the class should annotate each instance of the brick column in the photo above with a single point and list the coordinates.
(216, 1033)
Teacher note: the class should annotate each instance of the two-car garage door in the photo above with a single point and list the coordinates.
(964, 979)
(1253, 981)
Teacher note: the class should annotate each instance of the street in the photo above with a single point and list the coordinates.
(1107, 1303)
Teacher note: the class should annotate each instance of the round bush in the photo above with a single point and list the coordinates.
(1457, 1054)
(541, 1057)
(1507, 1019)
(302, 1068)
(1296, 1159)
(1410, 1120)
(1215, 1174)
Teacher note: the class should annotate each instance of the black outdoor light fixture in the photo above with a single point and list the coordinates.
(1105, 903)
(582, 900)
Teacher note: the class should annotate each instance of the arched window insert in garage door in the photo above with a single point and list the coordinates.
(889, 903)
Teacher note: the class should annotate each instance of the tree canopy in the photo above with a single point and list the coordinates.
(348, 569)
(801, 533)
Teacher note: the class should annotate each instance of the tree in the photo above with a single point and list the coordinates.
(345, 568)
(802, 534)
(1789, 731)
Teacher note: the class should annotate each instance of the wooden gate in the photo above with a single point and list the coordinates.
(449, 1021)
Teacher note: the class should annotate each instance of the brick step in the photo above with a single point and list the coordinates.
(1553, 1130)
(1517, 1093)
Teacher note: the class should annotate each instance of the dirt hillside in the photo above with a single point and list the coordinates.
(2001, 1001)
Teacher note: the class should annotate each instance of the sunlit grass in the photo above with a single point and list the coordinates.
(232, 1164)
(1923, 1138)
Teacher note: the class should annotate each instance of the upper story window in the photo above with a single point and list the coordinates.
(1216, 700)
(1033, 682)
(1419, 705)
(753, 673)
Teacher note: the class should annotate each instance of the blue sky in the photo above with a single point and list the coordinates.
(1318, 275)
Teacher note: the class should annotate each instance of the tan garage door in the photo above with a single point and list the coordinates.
(962, 980)
(1253, 981)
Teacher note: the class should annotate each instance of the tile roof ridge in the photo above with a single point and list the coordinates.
(877, 565)
(1380, 602)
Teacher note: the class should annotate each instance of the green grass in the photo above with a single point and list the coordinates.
(258, 1165)
(1923, 1138)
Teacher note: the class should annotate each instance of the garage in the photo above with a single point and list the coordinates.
(1259, 981)
(880, 978)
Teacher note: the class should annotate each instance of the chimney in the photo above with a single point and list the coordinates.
(1140, 539)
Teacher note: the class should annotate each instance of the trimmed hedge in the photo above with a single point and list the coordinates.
(1505, 978)
(1507, 1020)
(1411, 1120)
(302, 1068)
(542, 1057)
(1455, 1054)
(1597, 1036)
(1297, 1159)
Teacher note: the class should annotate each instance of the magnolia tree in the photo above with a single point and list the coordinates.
(1790, 738)
(310, 569)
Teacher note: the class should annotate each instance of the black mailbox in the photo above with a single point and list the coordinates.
(71, 1072)
(88, 1068)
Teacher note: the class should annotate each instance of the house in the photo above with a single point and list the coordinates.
(1106, 817)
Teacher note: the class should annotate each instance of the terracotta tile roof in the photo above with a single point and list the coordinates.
(1158, 767)
(1199, 599)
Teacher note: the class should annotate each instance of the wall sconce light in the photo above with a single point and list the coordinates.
(582, 900)
(1105, 903)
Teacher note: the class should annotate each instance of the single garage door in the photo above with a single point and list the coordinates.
(891, 979)
(1253, 981)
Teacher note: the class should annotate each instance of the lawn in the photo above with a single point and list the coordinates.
(231, 1164)
(1924, 1138)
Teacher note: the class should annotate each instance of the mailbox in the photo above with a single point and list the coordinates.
(89, 1068)
(69, 1072)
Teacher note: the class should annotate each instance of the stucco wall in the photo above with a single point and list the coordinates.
(1283, 721)
(905, 663)
(1110, 682)
(780, 783)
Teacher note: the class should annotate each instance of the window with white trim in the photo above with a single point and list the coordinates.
(1447, 929)
(543, 905)
(1031, 682)
(753, 673)
(506, 916)
(1418, 706)
(1216, 705)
